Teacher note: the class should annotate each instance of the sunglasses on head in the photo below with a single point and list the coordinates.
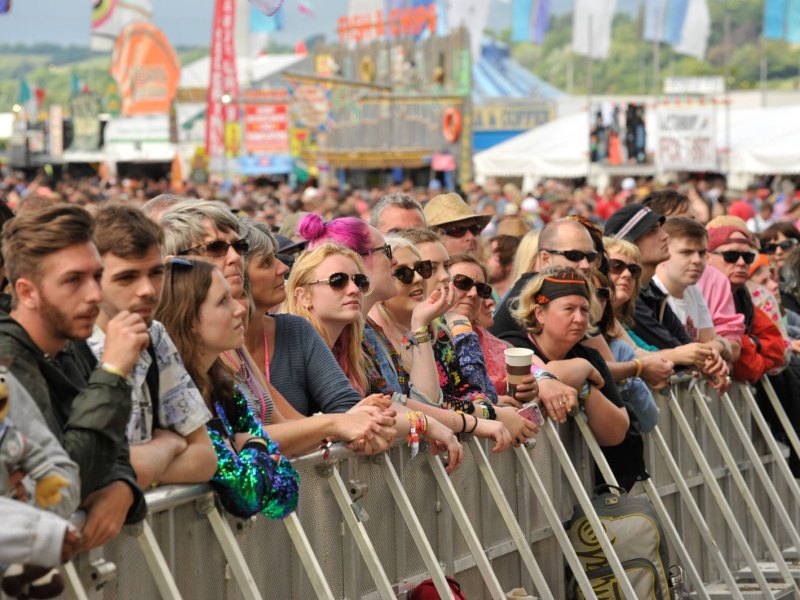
(733, 256)
(459, 231)
(218, 248)
(386, 249)
(406, 274)
(785, 245)
(617, 267)
(465, 284)
(575, 256)
(339, 281)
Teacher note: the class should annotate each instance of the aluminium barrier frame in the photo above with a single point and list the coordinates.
(487, 558)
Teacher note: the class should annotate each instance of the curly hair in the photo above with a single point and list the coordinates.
(523, 308)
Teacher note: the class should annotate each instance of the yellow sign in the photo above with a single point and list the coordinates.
(510, 118)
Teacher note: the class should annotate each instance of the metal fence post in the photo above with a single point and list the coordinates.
(414, 526)
(788, 428)
(156, 562)
(738, 479)
(588, 509)
(719, 495)
(519, 537)
(303, 548)
(655, 499)
(540, 493)
(462, 520)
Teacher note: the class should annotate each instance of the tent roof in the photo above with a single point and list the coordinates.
(497, 75)
(196, 74)
(762, 140)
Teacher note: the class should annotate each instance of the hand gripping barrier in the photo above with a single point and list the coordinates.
(375, 527)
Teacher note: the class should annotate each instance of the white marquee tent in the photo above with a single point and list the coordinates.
(763, 141)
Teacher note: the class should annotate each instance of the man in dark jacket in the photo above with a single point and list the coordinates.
(55, 270)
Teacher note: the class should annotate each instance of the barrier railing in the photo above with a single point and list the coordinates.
(375, 527)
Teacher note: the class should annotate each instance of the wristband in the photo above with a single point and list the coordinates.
(474, 427)
(113, 370)
(585, 391)
(540, 374)
(639, 366)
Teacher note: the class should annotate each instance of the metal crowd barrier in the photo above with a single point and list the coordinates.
(376, 527)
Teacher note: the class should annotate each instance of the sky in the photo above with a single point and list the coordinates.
(188, 22)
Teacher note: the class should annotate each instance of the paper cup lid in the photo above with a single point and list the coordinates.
(518, 357)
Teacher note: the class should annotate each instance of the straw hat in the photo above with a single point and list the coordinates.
(450, 208)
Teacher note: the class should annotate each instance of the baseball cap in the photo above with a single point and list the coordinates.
(631, 222)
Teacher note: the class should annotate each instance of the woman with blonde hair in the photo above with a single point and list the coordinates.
(327, 286)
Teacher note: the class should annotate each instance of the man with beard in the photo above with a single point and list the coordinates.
(55, 271)
(166, 433)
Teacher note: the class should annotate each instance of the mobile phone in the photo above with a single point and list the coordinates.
(532, 412)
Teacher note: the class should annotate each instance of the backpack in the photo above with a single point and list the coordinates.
(637, 536)
(427, 591)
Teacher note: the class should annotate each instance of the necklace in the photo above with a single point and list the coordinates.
(243, 371)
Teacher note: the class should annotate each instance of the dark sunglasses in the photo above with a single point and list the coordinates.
(733, 256)
(459, 231)
(617, 267)
(465, 284)
(603, 293)
(386, 249)
(406, 274)
(339, 281)
(575, 256)
(219, 248)
(785, 245)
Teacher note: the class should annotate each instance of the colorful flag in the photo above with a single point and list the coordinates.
(591, 27)
(110, 17)
(696, 29)
(261, 23)
(541, 21)
(223, 88)
(521, 13)
(5, 6)
(775, 19)
(266, 7)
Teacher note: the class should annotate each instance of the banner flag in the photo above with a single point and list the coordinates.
(5, 6)
(541, 21)
(793, 21)
(146, 69)
(696, 30)
(676, 20)
(774, 19)
(591, 27)
(521, 14)
(223, 88)
(110, 17)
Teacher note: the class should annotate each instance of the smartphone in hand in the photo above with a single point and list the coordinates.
(532, 412)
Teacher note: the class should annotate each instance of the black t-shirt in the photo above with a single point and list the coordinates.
(626, 459)
(504, 324)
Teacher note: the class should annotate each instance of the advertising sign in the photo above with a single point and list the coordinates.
(85, 122)
(686, 140)
(266, 122)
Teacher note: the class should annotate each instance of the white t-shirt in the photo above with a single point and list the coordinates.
(692, 309)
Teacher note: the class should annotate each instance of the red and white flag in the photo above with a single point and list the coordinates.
(223, 84)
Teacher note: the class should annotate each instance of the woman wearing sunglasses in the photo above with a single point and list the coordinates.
(204, 321)
(327, 287)
(777, 241)
(488, 358)
(303, 359)
(416, 384)
(467, 387)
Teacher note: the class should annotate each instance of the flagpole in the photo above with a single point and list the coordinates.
(763, 50)
(726, 37)
(589, 82)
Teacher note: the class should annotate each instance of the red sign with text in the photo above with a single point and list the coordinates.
(266, 122)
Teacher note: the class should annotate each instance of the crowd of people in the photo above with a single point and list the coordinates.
(156, 338)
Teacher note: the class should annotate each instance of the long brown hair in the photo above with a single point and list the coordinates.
(185, 289)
